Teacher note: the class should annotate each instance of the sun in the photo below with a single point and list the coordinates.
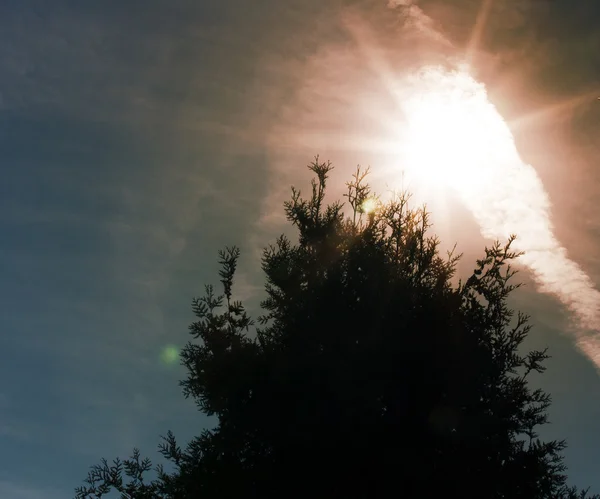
(451, 137)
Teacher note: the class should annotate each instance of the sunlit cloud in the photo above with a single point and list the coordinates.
(467, 134)
(467, 145)
(418, 20)
(422, 117)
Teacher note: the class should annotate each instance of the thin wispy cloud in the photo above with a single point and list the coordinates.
(418, 20)
(125, 152)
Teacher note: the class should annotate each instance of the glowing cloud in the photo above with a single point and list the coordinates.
(456, 136)
(419, 20)
(436, 127)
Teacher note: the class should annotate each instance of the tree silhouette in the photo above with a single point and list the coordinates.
(368, 374)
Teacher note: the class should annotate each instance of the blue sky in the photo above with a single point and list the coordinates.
(138, 138)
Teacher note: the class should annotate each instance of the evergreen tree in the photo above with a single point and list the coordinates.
(369, 373)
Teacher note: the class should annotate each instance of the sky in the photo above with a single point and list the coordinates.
(139, 138)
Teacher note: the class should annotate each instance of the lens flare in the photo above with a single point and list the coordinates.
(369, 205)
(169, 354)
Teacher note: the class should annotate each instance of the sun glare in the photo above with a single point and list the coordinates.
(455, 139)
(450, 133)
(434, 133)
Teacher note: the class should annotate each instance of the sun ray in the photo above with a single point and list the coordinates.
(478, 29)
(556, 111)
(372, 55)
(446, 142)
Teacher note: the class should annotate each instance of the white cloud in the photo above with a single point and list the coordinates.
(505, 195)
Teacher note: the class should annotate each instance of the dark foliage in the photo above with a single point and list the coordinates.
(368, 375)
